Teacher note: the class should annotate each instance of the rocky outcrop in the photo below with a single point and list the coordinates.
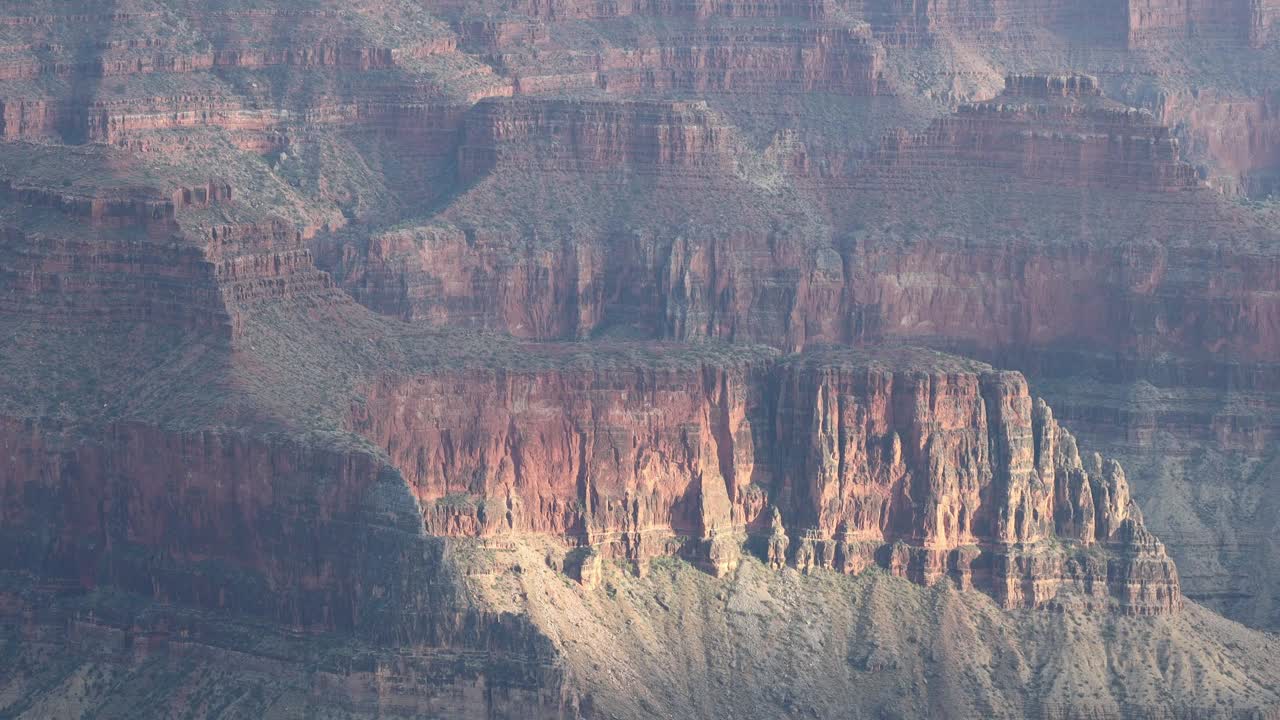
(634, 461)
(268, 263)
(591, 137)
(958, 473)
(1237, 137)
(1052, 129)
(733, 59)
(324, 542)
(1159, 21)
(929, 467)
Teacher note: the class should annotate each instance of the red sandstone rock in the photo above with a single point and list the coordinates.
(927, 465)
(592, 137)
(1037, 151)
(951, 472)
(1239, 136)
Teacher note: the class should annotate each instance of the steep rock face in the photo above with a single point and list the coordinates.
(734, 58)
(1127, 24)
(117, 663)
(64, 281)
(71, 254)
(1041, 149)
(1042, 227)
(591, 137)
(446, 275)
(134, 265)
(266, 263)
(907, 23)
(633, 461)
(1045, 263)
(130, 72)
(678, 48)
(1161, 304)
(1238, 137)
(1243, 21)
(323, 542)
(1122, 152)
(376, 90)
(960, 474)
(928, 472)
(97, 237)
(585, 9)
(749, 60)
(1053, 129)
(165, 494)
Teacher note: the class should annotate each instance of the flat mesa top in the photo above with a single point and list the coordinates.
(891, 357)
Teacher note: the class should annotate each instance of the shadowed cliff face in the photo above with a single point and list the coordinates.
(249, 555)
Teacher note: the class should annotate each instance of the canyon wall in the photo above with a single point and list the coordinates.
(636, 461)
(928, 466)
(1237, 136)
(181, 517)
(591, 138)
(911, 23)
(834, 461)
(322, 542)
(1054, 138)
(1242, 21)
(1156, 281)
(734, 59)
(130, 263)
(572, 172)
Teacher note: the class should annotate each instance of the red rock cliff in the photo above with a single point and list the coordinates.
(956, 471)
(560, 136)
(907, 254)
(930, 467)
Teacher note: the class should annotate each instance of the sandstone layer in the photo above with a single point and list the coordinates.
(921, 464)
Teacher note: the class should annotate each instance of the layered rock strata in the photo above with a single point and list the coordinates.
(130, 538)
(1040, 149)
(928, 468)
(592, 137)
(958, 473)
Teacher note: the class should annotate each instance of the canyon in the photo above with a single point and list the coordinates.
(564, 359)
